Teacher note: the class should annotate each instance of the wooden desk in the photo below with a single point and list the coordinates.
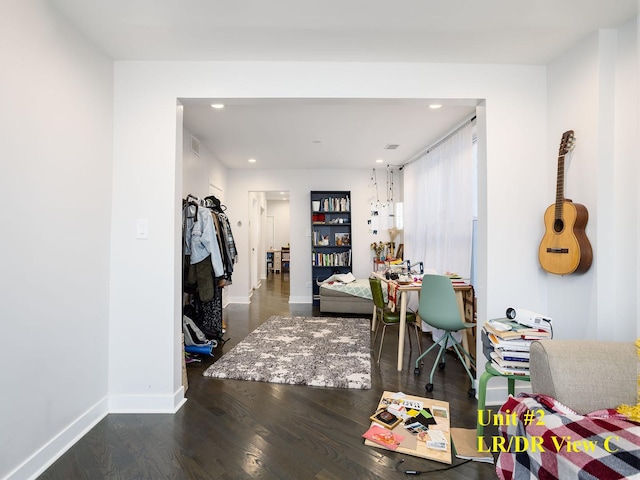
(403, 290)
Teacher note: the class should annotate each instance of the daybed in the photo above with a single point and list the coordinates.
(353, 297)
(569, 428)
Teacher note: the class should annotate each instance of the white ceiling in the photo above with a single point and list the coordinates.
(320, 133)
(284, 133)
(465, 31)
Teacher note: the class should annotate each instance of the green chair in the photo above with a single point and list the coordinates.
(389, 318)
(489, 373)
(439, 308)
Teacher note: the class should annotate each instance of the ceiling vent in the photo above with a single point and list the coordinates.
(391, 146)
(195, 145)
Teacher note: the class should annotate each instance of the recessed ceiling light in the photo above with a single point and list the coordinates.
(316, 141)
(435, 105)
(217, 105)
(379, 160)
(252, 160)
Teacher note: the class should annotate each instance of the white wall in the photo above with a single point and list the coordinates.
(56, 92)
(627, 129)
(593, 89)
(198, 172)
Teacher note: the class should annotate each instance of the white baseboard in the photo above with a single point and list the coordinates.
(55, 448)
(246, 299)
(305, 299)
(52, 450)
(147, 403)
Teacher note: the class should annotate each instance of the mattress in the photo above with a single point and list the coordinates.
(358, 288)
(340, 298)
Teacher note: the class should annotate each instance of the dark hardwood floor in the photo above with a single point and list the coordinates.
(231, 429)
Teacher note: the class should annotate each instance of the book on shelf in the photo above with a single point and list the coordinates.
(521, 363)
(512, 356)
(510, 344)
(513, 344)
(524, 372)
(335, 204)
(335, 259)
(509, 329)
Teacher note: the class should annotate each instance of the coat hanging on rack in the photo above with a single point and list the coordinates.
(209, 252)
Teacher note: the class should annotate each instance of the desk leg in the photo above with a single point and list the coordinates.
(418, 319)
(401, 330)
(465, 333)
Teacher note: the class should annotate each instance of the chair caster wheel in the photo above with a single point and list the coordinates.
(441, 365)
(472, 393)
(416, 371)
(429, 387)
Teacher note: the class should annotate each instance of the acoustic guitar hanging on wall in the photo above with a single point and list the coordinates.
(565, 248)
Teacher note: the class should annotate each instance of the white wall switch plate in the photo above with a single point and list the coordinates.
(142, 228)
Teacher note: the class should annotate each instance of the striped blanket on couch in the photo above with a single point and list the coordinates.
(544, 439)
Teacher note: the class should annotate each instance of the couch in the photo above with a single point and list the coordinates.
(569, 428)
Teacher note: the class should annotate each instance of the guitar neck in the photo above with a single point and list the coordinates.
(560, 188)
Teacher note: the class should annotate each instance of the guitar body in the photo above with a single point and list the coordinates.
(565, 248)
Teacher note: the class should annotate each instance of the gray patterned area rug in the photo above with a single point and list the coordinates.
(316, 351)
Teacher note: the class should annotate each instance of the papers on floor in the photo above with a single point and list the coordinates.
(383, 437)
(411, 425)
(437, 440)
(465, 445)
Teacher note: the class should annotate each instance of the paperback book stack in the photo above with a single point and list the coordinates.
(509, 343)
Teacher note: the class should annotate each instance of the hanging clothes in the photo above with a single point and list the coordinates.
(209, 256)
(225, 235)
(212, 314)
(231, 254)
(201, 240)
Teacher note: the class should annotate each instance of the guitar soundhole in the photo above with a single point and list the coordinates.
(558, 225)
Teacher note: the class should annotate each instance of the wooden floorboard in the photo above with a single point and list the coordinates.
(232, 429)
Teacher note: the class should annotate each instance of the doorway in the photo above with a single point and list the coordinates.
(269, 235)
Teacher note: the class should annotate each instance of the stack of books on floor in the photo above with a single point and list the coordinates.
(509, 343)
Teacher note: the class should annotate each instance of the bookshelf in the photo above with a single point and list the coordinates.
(286, 259)
(330, 236)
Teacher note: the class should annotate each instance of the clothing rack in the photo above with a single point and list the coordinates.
(209, 254)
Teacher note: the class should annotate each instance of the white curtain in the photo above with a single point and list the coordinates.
(438, 205)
